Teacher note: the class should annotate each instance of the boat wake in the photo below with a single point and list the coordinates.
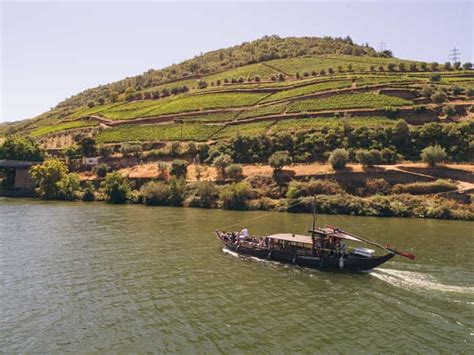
(227, 251)
(417, 281)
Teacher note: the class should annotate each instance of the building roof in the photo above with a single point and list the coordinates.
(17, 164)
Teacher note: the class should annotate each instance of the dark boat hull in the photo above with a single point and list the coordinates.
(350, 263)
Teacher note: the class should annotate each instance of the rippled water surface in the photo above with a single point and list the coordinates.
(95, 277)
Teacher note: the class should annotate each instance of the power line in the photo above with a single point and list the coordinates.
(455, 55)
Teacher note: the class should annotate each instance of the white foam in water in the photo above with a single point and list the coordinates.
(233, 253)
(416, 281)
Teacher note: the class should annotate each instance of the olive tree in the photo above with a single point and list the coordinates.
(433, 155)
(339, 158)
(279, 159)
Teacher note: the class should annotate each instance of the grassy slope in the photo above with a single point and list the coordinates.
(350, 71)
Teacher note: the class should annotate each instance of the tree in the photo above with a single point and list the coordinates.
(369, 158)
(435, 77)
(438, 97)
(90, 104)
(391, 66)
(46, 177)
(88, 146)
(449, 110)
(155, 193)
(413, 67)
(17, 147)
(279, 159)
(434, 66)
(381, 68)
(467, 66)
(206, 194)
(101, 100)
(339, 158)
(423, 66)
(447, 66)
(175, 149)
(104, 150)
(401, 66)
(179, 168)
(88, 192)
(221, 162)
(330, 71)
(129, 149)
(116, 188)
(433, 155)
(68, 187)
(177, 187)
(101, 170)
(457, 65)
(234, 171)
(427, 90)
(235, 196)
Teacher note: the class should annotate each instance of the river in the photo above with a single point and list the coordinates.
(97, 277)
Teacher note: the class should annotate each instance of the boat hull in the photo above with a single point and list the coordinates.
(350, 263)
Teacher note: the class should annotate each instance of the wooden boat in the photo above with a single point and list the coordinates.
(324, 249)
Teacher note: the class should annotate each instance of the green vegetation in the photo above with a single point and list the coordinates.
(364, 100)
(41, 131)
(251, 129)
(308, 89)
(263, 111)
(433, 155)
(54, 181)
(116, 188)
(339, 158)
(169, 132)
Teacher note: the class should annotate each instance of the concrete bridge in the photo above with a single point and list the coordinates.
(23, 181)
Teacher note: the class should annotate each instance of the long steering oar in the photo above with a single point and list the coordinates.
(386, 246)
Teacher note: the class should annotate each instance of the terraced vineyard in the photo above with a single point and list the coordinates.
(199, 100)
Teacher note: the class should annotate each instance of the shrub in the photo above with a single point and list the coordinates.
(236, 196)
(467, 66)
(279, 159)
(433, 155)
(449, 110)
(46, 177)
(116, 188)
(90, 104)
(435, 77)
(456, 90)
(377, 186)
(339, 158)
(427, 90)
(101, 170)
(313, 187)
(177, 188)
(221, 162)
(154, 193)
(234, 171)
(438, 97)
(423, 188)
(179, 168)
(205, 195)
(88, 147)
(175, 149)
(88, 192)
(369, 158)
(68, 187)
(128, 149)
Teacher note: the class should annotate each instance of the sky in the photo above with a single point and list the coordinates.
(52, 50)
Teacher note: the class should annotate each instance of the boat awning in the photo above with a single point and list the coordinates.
(331, 232)
(296, 238)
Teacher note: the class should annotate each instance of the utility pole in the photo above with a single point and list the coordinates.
(381, 46)
(455, 55)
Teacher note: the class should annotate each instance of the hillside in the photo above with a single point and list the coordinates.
(266, 87)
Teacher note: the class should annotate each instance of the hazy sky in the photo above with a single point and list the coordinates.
(51, 50)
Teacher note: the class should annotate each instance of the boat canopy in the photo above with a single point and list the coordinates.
(296, 238)
(334, 232)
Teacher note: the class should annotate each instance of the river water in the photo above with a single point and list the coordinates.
(95, 277)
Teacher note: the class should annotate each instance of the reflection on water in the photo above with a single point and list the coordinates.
(94, 277)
